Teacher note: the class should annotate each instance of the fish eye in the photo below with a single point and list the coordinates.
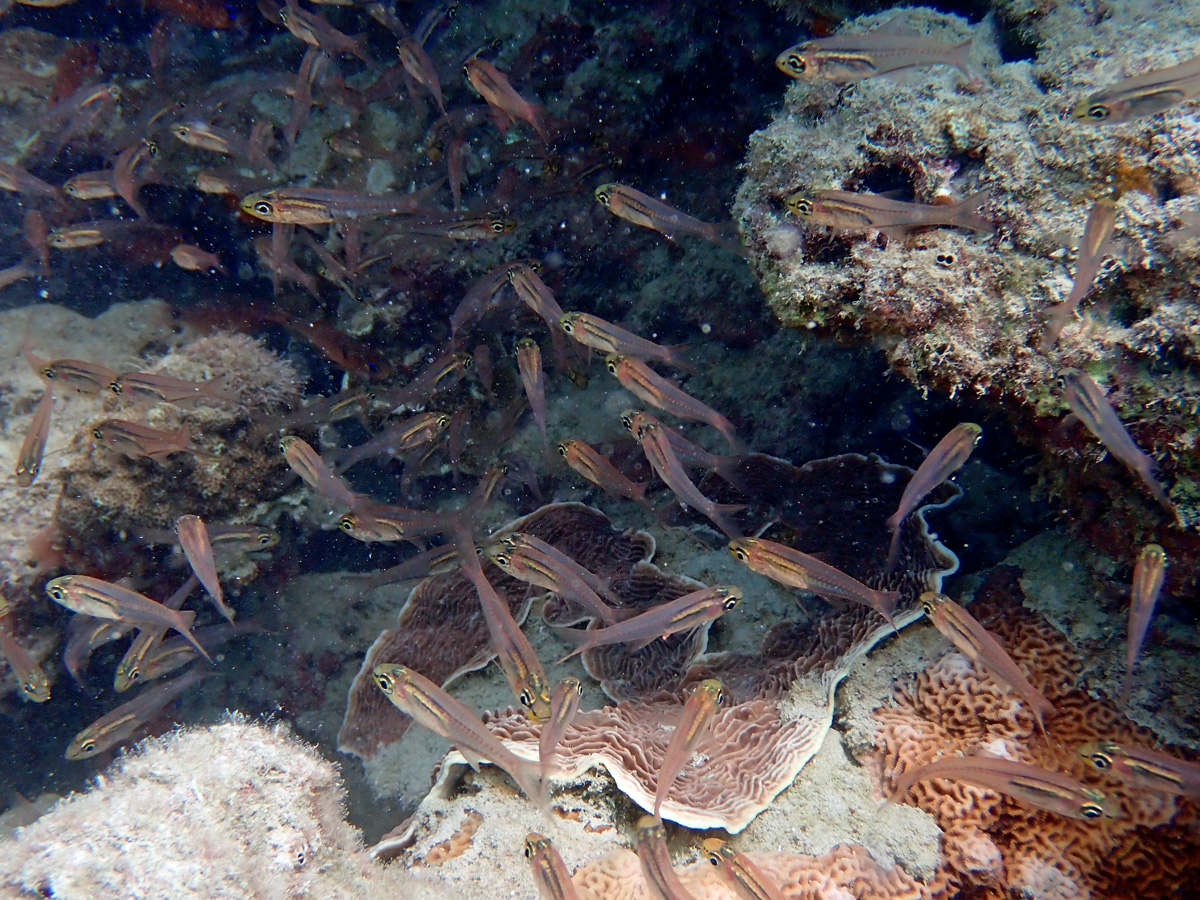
(611, 365)
(567, 324)
(263, 208)
(562, 450)
(602, 198)
(88, 746)
(264, 539)
(499, 226)
(182, 130)
(55, 592)
(796, 63)
(134, 674)
(152, 148)
(802, 207)
(346, 524)
(526, 698)
(501, 560)
(714, 857)
(1098, 112)
(720, 697)
(98, 434)
(1091, 811)
(466, 70)
(116, 387)
(49, 372)
(384, 681)
(730, 602)
(1101, 760)
(467, 360)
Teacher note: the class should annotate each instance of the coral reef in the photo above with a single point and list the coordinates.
(964, 314)
(235, 810)
(992, 845)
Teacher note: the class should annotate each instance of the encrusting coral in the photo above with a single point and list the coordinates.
(962, 312)
(235, 810)
(991, 844)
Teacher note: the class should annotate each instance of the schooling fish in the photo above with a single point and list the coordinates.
(666, 465)
(1148, 574)
(1097, 241)
(641, 209)
(78, 375)
(420, 68)
(442, 714)
(799, 570)
(855, 211)
(549, 871)
(747, 879)
(1031, 786)
(596, 333)
(136, 440)
(692, 725)
(650, 387)
(533, 379)
(1142, 95)
(413, 432)
(506, 104)
(846, 58)
(193, 538)
(30, 677)
(978, 645)
(532, 560)
(661, 878)
(1143, 767)
(1088, 402)
(29, 459)
(307, 463)
(947, 457)
(130, 669)
(104, 600)
(321, 206)
(129, 718)
(564, 704)
(682, 614)
(596, 468)
(154, 388)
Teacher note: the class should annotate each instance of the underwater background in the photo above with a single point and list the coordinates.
(361, 360)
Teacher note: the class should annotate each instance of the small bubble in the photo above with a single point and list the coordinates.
(888, 477)
(705, 328)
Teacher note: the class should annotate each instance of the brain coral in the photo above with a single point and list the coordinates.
(992, 846)
(963, 312)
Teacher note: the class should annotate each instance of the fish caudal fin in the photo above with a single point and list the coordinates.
(965, 213)
(184, 626)
(960, 58)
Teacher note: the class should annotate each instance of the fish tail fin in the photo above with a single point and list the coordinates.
(726, 234)
(725, 428)
(893, 556)
(727, 471)
(184, 627)
(581, 638)
(886, 605)
(721, 512)
(960, 58)
(966, 212)
(676, 357)
(537, 120)
(1055, 323)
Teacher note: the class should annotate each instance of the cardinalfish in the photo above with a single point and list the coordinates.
(564, 704)
(134, 440)
(688, 452)
(78, 375)
(1148, 574)
(532, 560)
(799, 570)
(853, 211)
(517, 657)
(103, 600)
(846, 58)
(151, 387)
(666, 465)
(454, 228)
(1092, 408)
(441, 375)
(747, 879)
(599, 470)
(130, 669)
(197, 259)
(193, 538)
(1096, 244)
(321, 206)
(533, 379)
(31, 679)
(129, 718)
(683, 614)
(661, 878)
(645, 211)
(610, 339)
(90, 185)
(415, 431)
(307, 463)
(650, 387)
(502, 98)
(1030, 786)
(316, 31)
(692, 725)
(946, 458)
(33, 447)
(384, 522)
(15, 179)
(420, 68)
(549, 871)
(175, 653)
(1143, 767)
(1142, 95)
(433, 708)
(977, 644)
